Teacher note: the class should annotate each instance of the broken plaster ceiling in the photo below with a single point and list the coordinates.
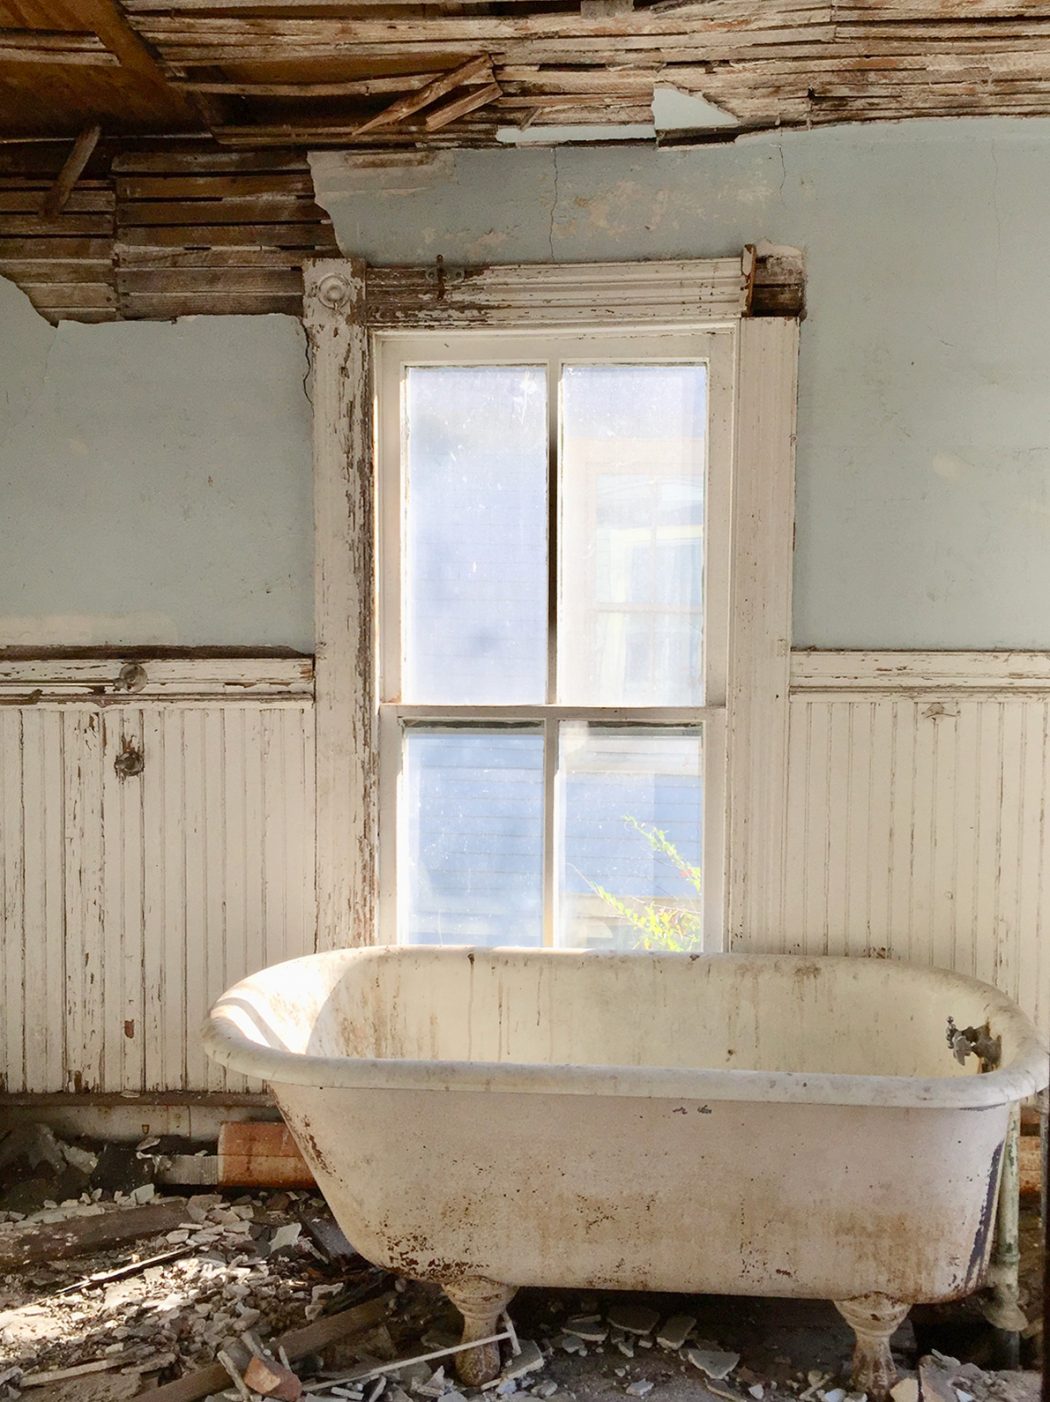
(672, 111)
(304, 73)
(163, 167)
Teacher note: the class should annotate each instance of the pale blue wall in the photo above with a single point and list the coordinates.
(154, 478)
(924, 418)
(154, 482)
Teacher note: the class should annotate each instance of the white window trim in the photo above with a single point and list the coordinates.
(711, 342)
(345, 304)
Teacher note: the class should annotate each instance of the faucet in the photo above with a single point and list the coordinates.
(974, 1041)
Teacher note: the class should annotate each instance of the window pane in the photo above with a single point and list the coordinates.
(473, 833)
(631, 816)
(631, 493)
(475, 608)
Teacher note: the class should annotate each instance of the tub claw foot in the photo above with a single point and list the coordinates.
(874, 1319)
(480, 1302)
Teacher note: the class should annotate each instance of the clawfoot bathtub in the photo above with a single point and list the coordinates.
(731, 1124)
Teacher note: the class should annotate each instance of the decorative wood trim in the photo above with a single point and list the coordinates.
(760, 633)
(576, 295)
(115, 681)
(346, 744)
(345, 303)
(899, 673)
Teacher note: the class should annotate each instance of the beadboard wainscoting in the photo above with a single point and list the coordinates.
(915, 829)
(156, 843)
(917, 813)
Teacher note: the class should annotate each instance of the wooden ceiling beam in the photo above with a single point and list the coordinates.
(258, 73)
(106, 19)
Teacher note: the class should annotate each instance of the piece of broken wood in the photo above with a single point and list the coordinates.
(328, 1236)
(130, 1268)
(80, 1370)
(366, 1372)
(77, 1236)
(261, 1154)
(72, 169)
(1030, 1166)
(460, 106)
(423, 97)
(273, 1379)
(296, 1344)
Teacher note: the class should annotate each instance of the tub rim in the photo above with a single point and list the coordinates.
(1026, 1074)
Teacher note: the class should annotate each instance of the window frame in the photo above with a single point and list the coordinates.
(714, 345)
(346, 305)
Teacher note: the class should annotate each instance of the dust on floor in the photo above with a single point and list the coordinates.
(102, 1302)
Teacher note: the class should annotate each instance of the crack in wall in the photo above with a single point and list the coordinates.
(554, 203)
(998, 218)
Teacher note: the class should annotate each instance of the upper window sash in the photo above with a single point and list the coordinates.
(395, 353)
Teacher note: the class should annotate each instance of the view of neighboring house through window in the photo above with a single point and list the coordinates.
(552, 636)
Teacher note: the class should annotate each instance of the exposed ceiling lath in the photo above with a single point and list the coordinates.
(315, 72)
(153, 152)
(164, 233)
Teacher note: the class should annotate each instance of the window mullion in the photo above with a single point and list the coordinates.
(552, 532)
(550, 725)
(550, 782)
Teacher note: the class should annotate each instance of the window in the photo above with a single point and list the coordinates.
(362, 324)
(554, 516)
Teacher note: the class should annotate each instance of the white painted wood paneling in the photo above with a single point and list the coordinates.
(344, 600)
(760, 629)
(916, 827)
(128, 904)
(916, 820)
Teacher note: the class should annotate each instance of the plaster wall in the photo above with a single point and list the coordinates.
(155, 477)
(923, 500)
(154, 482)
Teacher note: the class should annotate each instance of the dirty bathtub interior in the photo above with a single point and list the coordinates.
(724, 1124)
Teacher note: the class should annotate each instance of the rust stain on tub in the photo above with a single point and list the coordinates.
(314, 1153)
(413, 1254)
(807, 970)
(519, 1186)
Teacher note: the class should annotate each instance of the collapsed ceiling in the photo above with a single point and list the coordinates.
(317, 72)
(153, 154)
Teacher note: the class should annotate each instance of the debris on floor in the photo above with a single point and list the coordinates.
(113, 1293)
